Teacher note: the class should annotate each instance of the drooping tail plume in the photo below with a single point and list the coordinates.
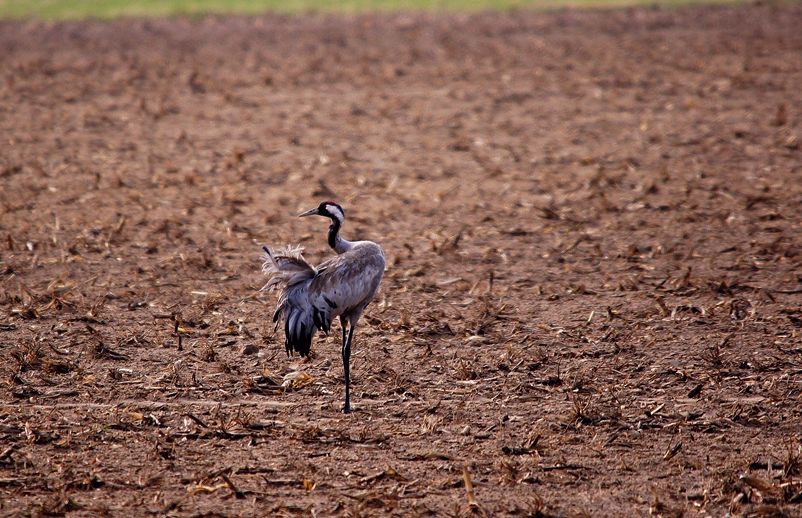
(289, 271)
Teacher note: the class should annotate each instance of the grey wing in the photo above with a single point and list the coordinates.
(345, 283)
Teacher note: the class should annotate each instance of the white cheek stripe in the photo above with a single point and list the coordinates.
(336, 212)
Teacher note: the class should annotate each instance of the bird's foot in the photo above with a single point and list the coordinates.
(346, 409)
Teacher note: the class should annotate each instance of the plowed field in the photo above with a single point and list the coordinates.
(593, 301)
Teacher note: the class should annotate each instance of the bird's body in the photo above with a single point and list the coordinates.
(311, 298)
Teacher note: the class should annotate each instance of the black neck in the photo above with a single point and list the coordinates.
(334, 229)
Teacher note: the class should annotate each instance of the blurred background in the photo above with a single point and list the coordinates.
(72, 9)
(593, 301)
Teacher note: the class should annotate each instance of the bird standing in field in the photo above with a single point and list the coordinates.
(312, 297)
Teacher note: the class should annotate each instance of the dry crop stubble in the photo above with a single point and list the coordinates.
(593, 299)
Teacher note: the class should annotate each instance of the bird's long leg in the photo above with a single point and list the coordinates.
(345, 333)
(344, 327)
(347, 367)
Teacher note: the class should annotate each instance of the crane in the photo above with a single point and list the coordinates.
(311, 298)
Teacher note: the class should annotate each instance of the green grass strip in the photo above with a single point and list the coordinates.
(104, 9)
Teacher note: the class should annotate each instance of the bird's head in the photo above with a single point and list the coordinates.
(327, 209)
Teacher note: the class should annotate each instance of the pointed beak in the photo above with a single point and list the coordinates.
(310, 212)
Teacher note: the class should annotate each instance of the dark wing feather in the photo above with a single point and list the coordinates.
(288, 270)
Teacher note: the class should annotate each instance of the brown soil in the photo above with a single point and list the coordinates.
(593, 302)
